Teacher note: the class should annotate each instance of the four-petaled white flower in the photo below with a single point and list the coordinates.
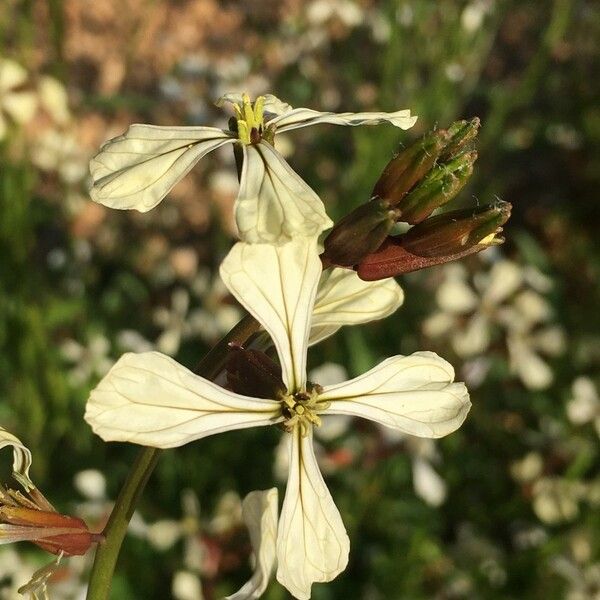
(138, 168)
(152, 400)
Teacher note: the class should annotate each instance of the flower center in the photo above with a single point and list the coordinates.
(301, 409)
(249, 121)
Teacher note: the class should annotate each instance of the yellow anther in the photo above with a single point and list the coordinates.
(259, 109)
(488, 240)
(243, 131)
(247, 111)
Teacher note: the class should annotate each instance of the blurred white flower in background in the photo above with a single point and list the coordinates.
(202, 538)
(19, 105)
(474, 14)
(210, 321)
(584, 405)
(347, 12)
(507, 299)
(60, 152)
(15, 570)
(53, 99)
(583, 579)
(91, 360)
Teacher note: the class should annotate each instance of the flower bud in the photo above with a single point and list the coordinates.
(457, 230)
(461, 133)
(33, 519)
(359, 233)
(440, 185)
(410, 166)
(253, 373)
(437, 240)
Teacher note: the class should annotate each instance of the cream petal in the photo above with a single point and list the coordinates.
(139, 168)
(414, 394)
(343, 298)
(53, 97)
(229, 98)
(21, 457)
(259, 511)
(152, 400)
(473, 338)
(21, 106)
(274, 204)
(427, 484)
(274, 106)
(277, 285)
(533, 371)
(505, 277)
(312, 544)
(12, 74)
(305, 117)
(455, 296)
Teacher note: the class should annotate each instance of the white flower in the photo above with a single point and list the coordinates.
(60, 152)
(584, 406)
(92, 360)
(138, 168)
(556, 500)
(507, 298)
(20, 106)
(152, 400)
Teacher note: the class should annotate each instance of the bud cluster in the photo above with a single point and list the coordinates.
(415, 183)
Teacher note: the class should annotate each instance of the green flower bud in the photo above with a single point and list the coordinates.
(440, 185)
(409, 167)
(461, 133)
(359, 233)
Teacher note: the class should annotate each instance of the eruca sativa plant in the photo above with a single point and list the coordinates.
(299, 277)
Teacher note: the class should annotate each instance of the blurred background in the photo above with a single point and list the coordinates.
(507, 507)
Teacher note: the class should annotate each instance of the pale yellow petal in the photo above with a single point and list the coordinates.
(138, 169)
(414, 394)
(312, 544)
(274, 204)
(152, 400)
(259, 511)
(277, 285)
(305, 117)
(345, 299)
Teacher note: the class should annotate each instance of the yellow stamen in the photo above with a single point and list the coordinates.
(259, 109)
(243, 131)
(488, 240)
(247, 111)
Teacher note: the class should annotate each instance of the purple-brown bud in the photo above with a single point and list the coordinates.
(253, 373)
(32, 518)
(457, 230)
(359, 233)
(437, 240)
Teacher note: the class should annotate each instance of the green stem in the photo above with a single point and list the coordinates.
(107, 552)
